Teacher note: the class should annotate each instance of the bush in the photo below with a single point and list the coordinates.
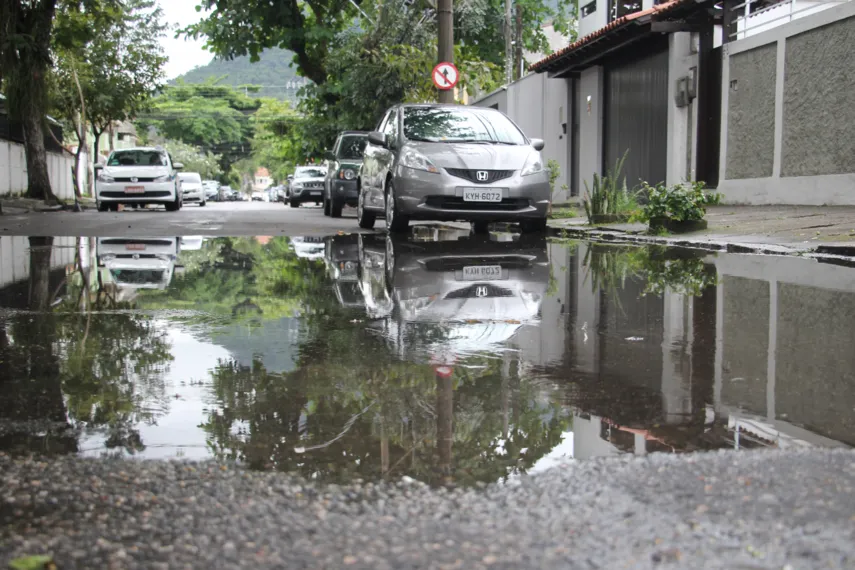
(681, 202)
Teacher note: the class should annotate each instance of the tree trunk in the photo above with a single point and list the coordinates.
(33, 123)
(27, 26)
(110, 137)
(40, 253)
(518, 46)
(96, 144)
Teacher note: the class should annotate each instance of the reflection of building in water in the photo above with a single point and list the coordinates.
(763, 359)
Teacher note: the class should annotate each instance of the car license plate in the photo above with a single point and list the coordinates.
(135, 246)
(316, 193)
(482, 272)
(134, 189)
(480, 195)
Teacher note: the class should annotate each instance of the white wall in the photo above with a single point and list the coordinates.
(682, 121)
(537, 103)
(595, 21)
(15, 257)
(13, 171)
(778, 15)
(590, 99)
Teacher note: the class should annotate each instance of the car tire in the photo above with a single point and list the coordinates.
(336, 206)
(295, 204)
(364, 218)
(102, 207)
(480, 227)
(173, 206)
(395, 221)
(536, 226)
(202, 204)
(326, 206)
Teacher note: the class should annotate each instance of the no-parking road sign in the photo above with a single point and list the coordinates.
(445, 76)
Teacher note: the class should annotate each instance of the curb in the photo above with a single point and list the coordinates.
(829, 253)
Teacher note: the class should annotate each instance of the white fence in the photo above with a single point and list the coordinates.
(752, 21)
(13, 171)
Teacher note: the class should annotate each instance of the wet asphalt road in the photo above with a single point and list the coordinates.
(766, 510)
(216, 218)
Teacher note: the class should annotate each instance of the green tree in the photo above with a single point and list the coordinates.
(214, 118)
(276, 143)
(242, 27)
(110, 71)
(205, 163)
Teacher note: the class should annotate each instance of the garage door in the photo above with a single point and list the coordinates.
(636, 113)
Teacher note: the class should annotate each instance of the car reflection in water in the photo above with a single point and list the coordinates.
(439, 300)
(138, 263)
(341, 257)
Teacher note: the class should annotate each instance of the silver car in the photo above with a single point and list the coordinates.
(452, 163)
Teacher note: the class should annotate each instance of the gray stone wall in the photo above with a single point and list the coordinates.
(815, 371)
(819, 101)
(745, 343)
(751, 113)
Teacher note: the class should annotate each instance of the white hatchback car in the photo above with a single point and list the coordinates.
(138, 177)
(192, 189)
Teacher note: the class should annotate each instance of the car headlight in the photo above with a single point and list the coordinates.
(533, 164)
(417, 161)
(298, 186)
(346, 174)
(102, 177)
(164, 178)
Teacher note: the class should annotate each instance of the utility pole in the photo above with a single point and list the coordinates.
(518, 43)
(445, 51)
(509, 44)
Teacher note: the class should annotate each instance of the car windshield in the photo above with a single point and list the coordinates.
(309, 172)
(137, 158)
(442, 124)
(352, 147)
(191, 177)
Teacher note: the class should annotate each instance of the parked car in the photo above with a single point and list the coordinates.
(258, 196)
(191, 188)
(452, 163)
(345, 160)
(211, 188)
(307, 185)
(138, 263)
(138, 176)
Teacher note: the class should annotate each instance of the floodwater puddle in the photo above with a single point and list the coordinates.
(447, 357)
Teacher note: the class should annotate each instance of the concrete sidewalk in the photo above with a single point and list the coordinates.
(821, 230)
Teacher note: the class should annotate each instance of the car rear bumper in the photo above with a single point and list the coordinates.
(424, 195)
(115, 192)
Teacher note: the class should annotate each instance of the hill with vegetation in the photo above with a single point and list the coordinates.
(272, 73)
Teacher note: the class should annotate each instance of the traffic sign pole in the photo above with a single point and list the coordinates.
(445, 46)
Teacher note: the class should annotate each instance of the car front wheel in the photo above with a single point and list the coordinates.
(365, 218)
(395, 221)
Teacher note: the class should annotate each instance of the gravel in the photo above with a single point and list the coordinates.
(735, 510)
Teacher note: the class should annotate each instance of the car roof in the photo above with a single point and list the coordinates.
(341, 134)
(145, 148)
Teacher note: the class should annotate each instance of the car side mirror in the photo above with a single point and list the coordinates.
(177, 166)
(377, 139)
(98, 167)
(538, 144)
(328, 154)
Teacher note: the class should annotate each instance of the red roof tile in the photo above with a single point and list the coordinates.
(658, 9)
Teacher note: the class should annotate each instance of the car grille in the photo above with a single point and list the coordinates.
(137, 179)
(477, 291)
(472, 175)
(457, 203)
(147, 194)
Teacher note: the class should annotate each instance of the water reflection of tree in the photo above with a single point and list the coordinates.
(381, 417)
(64, 361)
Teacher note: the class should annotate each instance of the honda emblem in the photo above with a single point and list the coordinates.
(481, 291)
(482, 175)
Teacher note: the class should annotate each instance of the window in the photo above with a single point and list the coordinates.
(309, 172)
(137, 158)
(589, 8)
(351, 147)
(443, 124)
(620, 8)
(391, 128)
(191, 177)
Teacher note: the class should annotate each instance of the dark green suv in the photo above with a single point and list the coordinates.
(345, 160)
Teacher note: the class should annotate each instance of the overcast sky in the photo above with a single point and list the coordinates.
(183, 54)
